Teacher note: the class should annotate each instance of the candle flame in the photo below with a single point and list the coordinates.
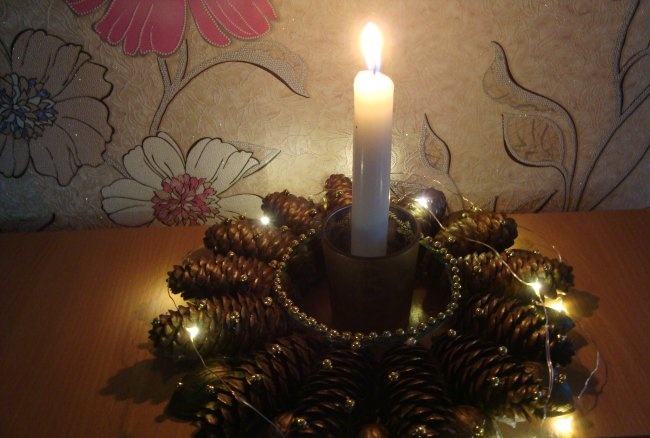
(371, 45)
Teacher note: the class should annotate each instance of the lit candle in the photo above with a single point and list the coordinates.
(373, 126)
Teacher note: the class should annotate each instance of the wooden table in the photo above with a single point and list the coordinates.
(77, 306)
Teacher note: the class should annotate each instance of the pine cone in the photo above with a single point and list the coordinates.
(487, 272)
(226, 326)
(493, 229)
(249, 238)
(480, 374)
(521, 328)
(472, 422)
(337, 398)
(282, 425)
(414, 398)
(223, 275)
(299, 214)
(338, 192)
(373, 430)
(219, 396)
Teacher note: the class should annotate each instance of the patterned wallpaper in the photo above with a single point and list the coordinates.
(178, 112)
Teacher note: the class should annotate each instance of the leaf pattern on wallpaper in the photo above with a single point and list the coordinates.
(271, 56)
(609, 168)
(433, 150)
(541, 133)
(534, 141)
(436, 156)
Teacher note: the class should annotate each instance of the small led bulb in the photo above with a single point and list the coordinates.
(536, 286)
(192, 331)
(423, 201)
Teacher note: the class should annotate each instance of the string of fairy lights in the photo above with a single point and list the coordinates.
(561, 427)
(192, 332)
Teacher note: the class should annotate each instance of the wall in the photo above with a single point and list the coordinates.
(137, 116)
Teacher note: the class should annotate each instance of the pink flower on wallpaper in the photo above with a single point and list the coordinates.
(158, 25)
(166, 188)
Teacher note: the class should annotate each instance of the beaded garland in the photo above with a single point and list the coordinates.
(357, 340)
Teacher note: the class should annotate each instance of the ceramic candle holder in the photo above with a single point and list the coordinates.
(371, 294)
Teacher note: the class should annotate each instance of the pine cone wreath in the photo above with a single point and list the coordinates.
(222, 275)
(483, 375)
(224, 326)
(463, 230)
(414, 398)
(249, 238)
(301, 215)
(518, 326)
(226, 399)
(337, 398)
(488, 272)
(338, 192)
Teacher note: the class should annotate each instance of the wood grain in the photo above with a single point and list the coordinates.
(77, 306)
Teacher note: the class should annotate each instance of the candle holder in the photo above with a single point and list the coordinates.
(371, 294)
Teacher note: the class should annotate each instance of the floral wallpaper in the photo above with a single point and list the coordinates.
(183, 112)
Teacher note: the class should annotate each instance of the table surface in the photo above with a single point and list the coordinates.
(77, 306)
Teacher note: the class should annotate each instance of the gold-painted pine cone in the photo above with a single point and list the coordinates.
(269, 381)
(465, 232)
(223, 326)
(520, 327)
(510, 273)
(299, 214)
(222, 275)
(249, 238)
(338, 192)
(480, 374)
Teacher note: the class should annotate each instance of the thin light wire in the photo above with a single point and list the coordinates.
(547, 344)
(549, 362)
(491, 248)
(596, 367)
(533, 232)
(222, 381)
(547, 341)
(591, 375)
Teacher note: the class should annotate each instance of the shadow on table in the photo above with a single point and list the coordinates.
(151, 380)
(582, 303)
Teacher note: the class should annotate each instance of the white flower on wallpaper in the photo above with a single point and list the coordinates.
(167, 188)
(51, 107)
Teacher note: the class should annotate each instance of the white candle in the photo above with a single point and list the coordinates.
(373, 126)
